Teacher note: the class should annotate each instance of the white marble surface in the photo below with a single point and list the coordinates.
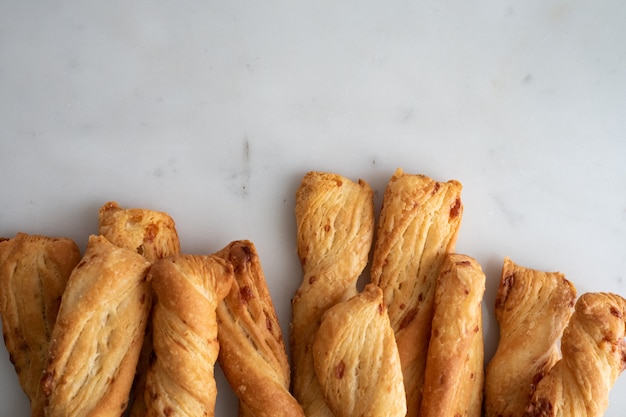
(213, 111)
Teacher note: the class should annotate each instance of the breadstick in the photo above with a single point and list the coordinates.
(252, 350)
(181, 380)
(153, 235)
(97, 337)
(453, 379)
(356, 358)
(594, 355)
(33, 272)
(532, 309)
(418, 225)
(150, 233)
(335, 225)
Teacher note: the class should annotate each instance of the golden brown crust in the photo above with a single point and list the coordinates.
(33, 272)
(252, 350)
(453, 382)
(150, 233)
(99, 330)
(532, 308)
(594, 355)
(418, 225)
(188, 288)
(356, 358)
(335, 224)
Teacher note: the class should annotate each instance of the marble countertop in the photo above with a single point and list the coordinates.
(213, 112)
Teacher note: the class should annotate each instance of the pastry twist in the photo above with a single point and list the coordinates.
(153, 235)
(252, 350)
(594, 355)
(150, 233)
(180, 381)
(95, 343)
(33, 273)
(335, 226)
(453, 379)
(532, 308)
(418, 225)
(356, 358)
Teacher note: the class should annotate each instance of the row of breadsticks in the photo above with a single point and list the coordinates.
(134, 327)
(130, 327)
(412, 342)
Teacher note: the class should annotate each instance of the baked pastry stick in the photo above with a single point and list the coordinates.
(149, 233)
(356, 358)
(97, 337)
(532, 308)
(594, 355)
(152, 234)
(454, 375)
(418, 225)
(252, 350)
(188, 289)
(335, 227)
(33, 272)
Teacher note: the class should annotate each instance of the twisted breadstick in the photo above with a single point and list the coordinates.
(418, 225)
(453, 379)
(532, 309)
(151, 234)
(33, 274)
(180, 380)
(335, 225)
(95, 342)
(594, 355)
(356, 358)
(252, 351)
